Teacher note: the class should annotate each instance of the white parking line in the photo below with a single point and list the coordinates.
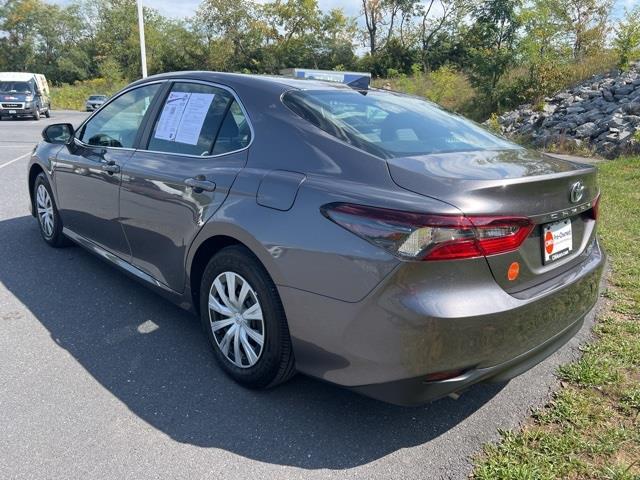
(15, 160)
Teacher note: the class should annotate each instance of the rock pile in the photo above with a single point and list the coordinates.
(601, 114)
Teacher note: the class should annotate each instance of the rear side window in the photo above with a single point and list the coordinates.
(197, 120)
(390, 125)
(234, 133)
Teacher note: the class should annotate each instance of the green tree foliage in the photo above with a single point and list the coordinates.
(627, 40)
(493, 39)
(585, 24)
(43, 37)
(501, 52)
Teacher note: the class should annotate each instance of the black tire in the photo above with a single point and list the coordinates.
(36, 114)
(47, 113)
(276, 363)
(56, 238)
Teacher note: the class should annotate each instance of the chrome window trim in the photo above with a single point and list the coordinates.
(79, 142)
(205, 157)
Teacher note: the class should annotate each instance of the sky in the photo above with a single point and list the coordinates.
(186, 8)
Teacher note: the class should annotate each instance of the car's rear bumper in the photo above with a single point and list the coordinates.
(416, 391)
(432, 317)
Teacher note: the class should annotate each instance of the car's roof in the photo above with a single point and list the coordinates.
(246, 79)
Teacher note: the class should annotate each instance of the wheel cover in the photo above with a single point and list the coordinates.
(44, 206)
(236, 319)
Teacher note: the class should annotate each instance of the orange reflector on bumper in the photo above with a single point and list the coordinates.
(514, 271)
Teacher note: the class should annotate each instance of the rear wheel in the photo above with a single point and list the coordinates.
(244, 320)
(47, 213)
(47, 112)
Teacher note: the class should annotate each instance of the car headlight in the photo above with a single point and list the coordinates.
(28, 98)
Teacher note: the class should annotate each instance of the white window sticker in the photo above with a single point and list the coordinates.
(193, 118)
(171, 115)
(183, 116)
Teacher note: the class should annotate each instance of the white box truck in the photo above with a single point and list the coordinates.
(24, 95)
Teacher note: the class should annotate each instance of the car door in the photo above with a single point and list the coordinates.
(88, 171)
(196, 146)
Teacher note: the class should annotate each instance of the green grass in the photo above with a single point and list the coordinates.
(591, 428)
(73, 97)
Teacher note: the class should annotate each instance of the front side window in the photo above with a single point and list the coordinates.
(193, 117)
(390, 125)
(117, 124)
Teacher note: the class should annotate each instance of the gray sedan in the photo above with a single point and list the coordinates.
(94, 102)
(364, 237)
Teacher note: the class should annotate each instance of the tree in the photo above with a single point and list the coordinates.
(45, 38)
(20, 20)
(337, 32)
(493, 38)
(232, 32)
(627, 39)
(373, 19)
(585, 23)
(435, 18)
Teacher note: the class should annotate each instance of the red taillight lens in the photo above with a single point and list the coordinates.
(500, 235)
(595, 209)
(419, 236)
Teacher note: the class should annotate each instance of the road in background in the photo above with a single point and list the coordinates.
(18, 137)
(102, 379)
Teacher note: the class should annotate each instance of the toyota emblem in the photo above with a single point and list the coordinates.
(577, 192)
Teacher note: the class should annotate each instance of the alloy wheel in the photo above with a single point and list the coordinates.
(236, 319)
(45, 210)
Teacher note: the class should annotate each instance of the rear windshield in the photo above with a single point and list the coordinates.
(15, 87)
(391, 125)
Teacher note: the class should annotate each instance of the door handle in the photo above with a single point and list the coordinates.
(110, 167)
(200, 183)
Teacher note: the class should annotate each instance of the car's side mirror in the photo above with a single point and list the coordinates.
(58, 133)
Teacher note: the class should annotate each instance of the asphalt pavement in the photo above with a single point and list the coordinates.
(100, 378)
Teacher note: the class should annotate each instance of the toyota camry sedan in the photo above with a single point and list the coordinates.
(360, 236)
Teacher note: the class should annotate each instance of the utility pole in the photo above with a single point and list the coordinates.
(143, 48)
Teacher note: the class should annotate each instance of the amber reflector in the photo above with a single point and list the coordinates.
(514, 271)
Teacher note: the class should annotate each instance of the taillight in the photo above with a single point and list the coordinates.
(417, 236)
(595, 209)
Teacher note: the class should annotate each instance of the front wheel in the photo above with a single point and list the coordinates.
(47, 213)
(36, 114)
(244, 319)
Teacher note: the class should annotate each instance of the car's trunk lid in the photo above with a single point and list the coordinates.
(516, 183)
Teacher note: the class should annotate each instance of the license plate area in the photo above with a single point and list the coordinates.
(12, 111)
(557, 241)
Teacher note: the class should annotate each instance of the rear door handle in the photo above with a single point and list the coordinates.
(111, 167)
(199, 184)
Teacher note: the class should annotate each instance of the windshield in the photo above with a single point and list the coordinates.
(15, 87)
(97, 97)
(391, 125)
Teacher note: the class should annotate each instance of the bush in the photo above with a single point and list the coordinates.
(445, 86)
(73, 96)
